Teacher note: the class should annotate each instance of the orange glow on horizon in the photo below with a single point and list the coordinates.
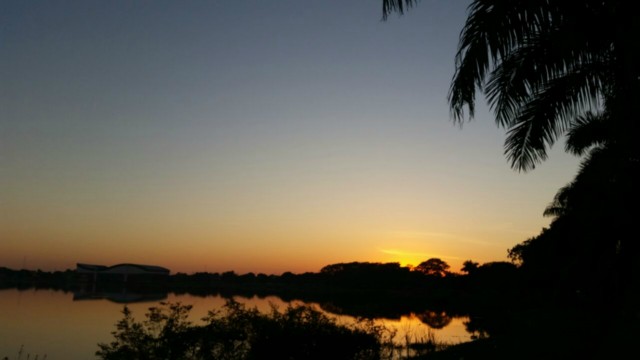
(413, 259)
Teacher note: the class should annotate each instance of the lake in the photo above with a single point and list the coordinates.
(64, 325)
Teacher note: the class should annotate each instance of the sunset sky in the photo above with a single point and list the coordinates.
(262, 136)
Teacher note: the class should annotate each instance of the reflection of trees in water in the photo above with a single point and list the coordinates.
(331, 308)
(477, 328)
(435, 319)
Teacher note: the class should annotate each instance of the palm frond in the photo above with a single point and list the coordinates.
(589, 130)
(493, 30)
(591, 188)
(560, 204)
(540, 64)
(523, 148)
(546, 116)
(530, 68)
(399, 6)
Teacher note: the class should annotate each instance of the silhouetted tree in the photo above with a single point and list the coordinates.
(587, 240)
(433, 267)
(542, 65)
(229, 277)
(469, 267)
(554, 68)
(366, 274)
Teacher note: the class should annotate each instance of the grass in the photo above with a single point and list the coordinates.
(21, 355)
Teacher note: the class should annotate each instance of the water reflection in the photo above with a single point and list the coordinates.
(59, 325)
(435, 319)
(123, 297)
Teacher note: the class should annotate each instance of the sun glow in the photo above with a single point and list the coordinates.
(413, 258)
(405, 258)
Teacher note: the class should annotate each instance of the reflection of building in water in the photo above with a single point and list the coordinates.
(119, 297)
(122, 272)
(122, 283)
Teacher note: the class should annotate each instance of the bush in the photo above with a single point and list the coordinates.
(236, 332)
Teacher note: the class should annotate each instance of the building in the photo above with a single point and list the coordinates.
(122, 272)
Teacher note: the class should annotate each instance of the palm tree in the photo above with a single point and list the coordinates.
(551, 68)
(542, 65)
(590, 137)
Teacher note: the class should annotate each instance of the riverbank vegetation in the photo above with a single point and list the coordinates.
(236, 332)
(550, 71)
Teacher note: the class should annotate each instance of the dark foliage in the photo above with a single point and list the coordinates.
(239, 333)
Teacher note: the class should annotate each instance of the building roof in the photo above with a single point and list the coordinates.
(121, 269)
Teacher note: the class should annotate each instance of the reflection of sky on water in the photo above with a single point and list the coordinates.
(409, 325)
(416, 330)
(50, 322)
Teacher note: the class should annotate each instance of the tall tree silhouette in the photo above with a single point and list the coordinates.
(551, 68)
(433, 267)
(543, 64)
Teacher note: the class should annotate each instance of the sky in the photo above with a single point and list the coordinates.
(253, 136)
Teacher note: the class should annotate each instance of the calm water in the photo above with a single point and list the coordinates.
(53, 323)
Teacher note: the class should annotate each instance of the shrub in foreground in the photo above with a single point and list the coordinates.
(237, 332)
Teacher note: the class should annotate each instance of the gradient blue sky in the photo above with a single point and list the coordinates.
(259, 136)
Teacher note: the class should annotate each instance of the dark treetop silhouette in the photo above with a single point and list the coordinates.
(553, 68)
(543, 65)
(548, 71)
